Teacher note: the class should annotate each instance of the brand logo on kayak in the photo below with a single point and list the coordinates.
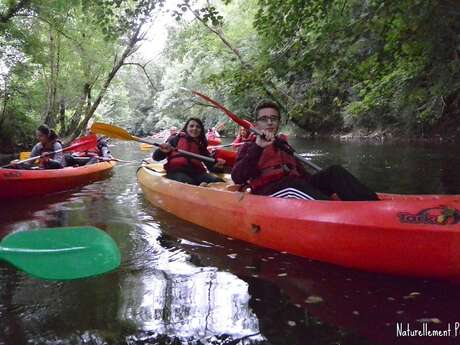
(437, 215)
(12, 174)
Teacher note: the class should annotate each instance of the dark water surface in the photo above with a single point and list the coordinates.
(181, 284)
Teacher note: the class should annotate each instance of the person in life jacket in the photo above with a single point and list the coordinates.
(244, 135)
(47, 144)
(268, 165)
(185, 169)
(100, 153)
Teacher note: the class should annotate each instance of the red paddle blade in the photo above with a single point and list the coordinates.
(241, 122)
(86, 143)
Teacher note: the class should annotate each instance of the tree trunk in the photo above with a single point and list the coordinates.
(5, 102)
(245, 65)
(61, 119)
(50, 114)
(76, 130)
(76, 116)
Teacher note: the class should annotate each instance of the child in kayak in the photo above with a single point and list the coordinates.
(269, 167)
(48, 143)
(185, 169)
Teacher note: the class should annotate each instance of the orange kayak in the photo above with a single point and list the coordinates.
(410, 235)
(15, 183)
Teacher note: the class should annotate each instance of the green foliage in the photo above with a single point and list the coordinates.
(378, 63)
(332, 64)
(56, 56)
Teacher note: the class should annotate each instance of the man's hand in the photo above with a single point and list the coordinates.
(265, 139)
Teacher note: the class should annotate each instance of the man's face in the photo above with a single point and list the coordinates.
(268, 119)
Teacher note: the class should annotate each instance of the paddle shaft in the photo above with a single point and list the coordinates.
(34, 158)
(185, 153)
(31, 159)
(120, 133)
(226, 145)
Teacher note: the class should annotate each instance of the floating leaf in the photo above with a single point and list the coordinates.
(313, 299)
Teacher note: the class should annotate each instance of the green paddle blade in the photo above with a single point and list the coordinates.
(61, 253)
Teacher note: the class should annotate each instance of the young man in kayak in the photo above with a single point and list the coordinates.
(185, 169)
(268, 166)
(48, 143)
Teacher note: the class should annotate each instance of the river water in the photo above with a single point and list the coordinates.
(181, 284)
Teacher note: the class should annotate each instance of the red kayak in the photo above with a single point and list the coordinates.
(15, 183)
(411, 235)
(228, 156)
(213, 141)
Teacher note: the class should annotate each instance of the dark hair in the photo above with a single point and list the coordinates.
(44, 129)
(266, 104)
(202, 138)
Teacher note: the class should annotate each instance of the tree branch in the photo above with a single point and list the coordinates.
(12, 10)
(144, 70)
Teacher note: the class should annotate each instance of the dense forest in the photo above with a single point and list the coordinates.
(334, 66)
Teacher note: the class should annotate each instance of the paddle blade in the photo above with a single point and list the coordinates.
(86, 143)
(111, 131)
(61, 253)
(239, 121)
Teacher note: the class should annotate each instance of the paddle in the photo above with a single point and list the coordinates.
(87, 143)
(61, 253)
(119, 133)
(26, 154)
(248, 125)
(226, 145)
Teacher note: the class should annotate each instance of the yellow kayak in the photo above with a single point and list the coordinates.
(145, 147)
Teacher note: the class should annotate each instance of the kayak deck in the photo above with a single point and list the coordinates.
(414, 235)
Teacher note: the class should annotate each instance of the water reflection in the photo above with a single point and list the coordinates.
(158, 291)
(196, 304)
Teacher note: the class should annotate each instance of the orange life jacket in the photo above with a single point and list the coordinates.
(178, 161)
(274, 164)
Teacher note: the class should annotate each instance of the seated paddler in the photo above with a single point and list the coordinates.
(268, 166)
(185, 169)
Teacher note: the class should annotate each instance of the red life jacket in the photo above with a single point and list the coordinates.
(178, 161)
(274, 164)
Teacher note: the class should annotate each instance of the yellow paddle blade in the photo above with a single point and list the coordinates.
(24, 155)
(111, 131)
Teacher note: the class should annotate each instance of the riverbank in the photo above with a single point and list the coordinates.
(441, 134)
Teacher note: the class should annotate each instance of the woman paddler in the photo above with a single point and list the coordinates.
(46, 148)
(183, 168)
